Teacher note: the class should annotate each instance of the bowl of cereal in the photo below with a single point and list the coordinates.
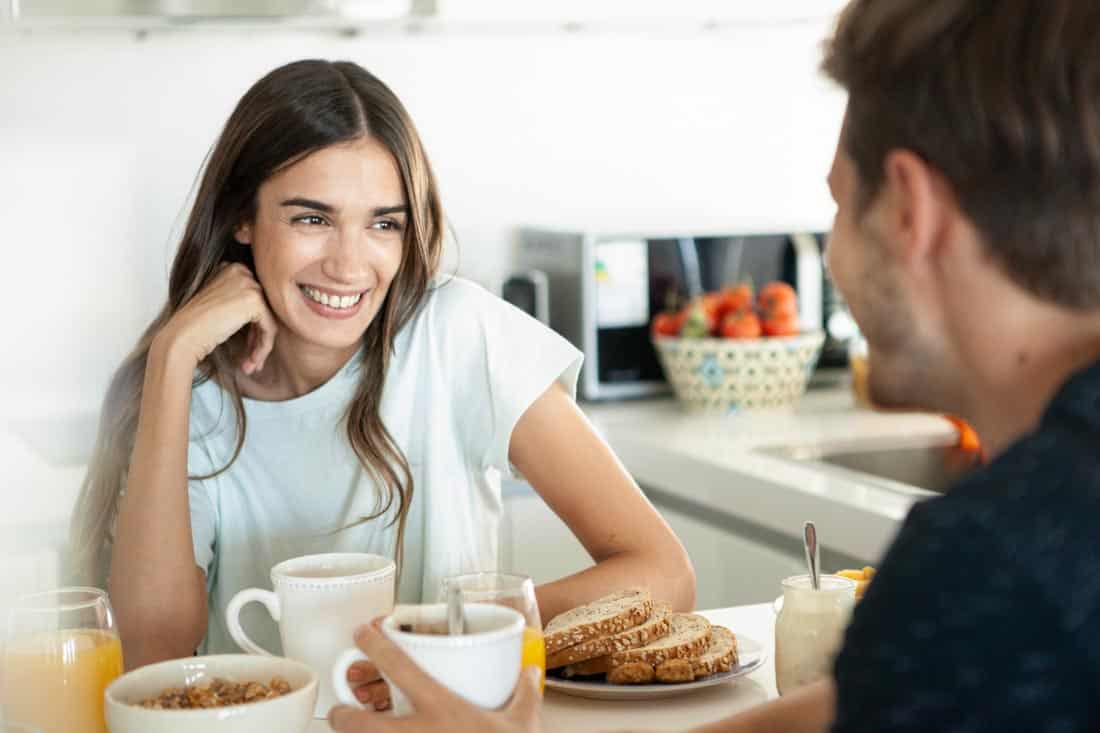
(225, 693)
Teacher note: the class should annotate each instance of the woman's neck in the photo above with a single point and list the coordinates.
(294, 369)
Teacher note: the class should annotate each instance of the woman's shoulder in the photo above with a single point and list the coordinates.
(449, 293)
(457, 306)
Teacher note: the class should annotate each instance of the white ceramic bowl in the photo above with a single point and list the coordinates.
(728, 375)
(290, 713)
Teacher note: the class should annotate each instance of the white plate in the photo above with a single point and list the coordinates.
(750, 656)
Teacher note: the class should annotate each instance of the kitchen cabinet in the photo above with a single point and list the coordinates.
(730, 569)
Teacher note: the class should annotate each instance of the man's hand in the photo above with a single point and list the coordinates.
(436, 707)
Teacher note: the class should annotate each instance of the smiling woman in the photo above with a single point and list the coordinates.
(382, 401)
(326, 242)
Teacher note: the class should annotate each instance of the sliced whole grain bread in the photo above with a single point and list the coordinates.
(631, 673)
(657, 625)
(720, 656)
(674, 671)
(599, 665)
(688, 638)
(611, 614)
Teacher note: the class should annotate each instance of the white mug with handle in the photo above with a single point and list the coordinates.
(318, 602)
(482, 665)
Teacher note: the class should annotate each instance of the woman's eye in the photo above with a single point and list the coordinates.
(387, 225)
(310, 219)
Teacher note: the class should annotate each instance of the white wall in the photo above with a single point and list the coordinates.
(101, 136)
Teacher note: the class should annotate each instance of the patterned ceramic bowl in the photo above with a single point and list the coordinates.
(727, 375)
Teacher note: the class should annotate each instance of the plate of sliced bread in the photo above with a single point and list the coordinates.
(628, 646)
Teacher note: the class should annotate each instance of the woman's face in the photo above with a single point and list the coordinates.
(327, 241)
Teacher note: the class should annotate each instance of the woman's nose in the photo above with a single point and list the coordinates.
(348, 257)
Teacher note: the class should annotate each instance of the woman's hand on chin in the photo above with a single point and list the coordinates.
(231, 301)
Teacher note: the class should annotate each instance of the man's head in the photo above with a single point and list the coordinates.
(970, 149)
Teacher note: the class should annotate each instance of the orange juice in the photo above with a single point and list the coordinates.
(55, 680)
(534, 653)
(861, 371)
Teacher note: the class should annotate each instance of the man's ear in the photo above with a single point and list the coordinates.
(918, 207)
(243, 233)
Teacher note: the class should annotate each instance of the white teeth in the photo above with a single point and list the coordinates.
(332, 301)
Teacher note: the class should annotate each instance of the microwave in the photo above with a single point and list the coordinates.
(601, 290)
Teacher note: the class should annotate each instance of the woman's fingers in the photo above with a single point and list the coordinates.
(374, 693)
(264, 329)
(361, 672)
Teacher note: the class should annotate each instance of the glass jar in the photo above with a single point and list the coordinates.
(810, 628)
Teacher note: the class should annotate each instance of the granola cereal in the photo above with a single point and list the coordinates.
(218, 693)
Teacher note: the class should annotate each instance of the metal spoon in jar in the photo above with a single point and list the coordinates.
(813, 554)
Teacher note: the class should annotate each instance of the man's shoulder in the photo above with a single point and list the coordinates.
(1027, 517)
(1056, 466)
(986, 591)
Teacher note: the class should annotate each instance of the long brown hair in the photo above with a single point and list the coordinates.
(291, 112)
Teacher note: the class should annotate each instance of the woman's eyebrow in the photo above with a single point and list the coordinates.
(309, 204)
(329, 208)
(383, 210)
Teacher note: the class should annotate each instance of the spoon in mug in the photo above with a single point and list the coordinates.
(456, 616)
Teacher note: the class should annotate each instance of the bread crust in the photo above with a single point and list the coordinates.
(720, 656)
(655, 627)
(611, 614)
(675, 671)
(688, 638)
(631, 673)
(599, 665)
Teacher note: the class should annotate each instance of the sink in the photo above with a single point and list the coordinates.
(931, 467)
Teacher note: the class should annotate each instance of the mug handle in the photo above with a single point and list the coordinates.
(233, 617)
(340, 669)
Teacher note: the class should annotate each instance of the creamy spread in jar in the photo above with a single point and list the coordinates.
(809, 628)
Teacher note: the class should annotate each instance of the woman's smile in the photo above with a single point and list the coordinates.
(331, 303)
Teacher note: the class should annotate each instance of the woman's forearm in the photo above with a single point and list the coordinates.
(669, 578)
(157, 591)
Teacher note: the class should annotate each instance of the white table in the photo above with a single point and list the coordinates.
(563, 713)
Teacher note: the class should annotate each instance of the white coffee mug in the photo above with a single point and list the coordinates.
(482, 665)
(319, 602)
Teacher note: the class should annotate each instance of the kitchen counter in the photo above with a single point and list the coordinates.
(715, 463)
(561, 713)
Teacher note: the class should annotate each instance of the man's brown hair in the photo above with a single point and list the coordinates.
(1003, 98)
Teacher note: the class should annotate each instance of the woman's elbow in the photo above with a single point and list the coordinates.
(679, 579)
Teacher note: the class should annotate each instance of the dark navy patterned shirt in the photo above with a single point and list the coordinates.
(985, 614)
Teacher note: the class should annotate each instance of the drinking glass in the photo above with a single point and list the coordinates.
(61, 651)
(514, 591)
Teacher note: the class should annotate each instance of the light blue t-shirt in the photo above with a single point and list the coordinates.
(465, 368)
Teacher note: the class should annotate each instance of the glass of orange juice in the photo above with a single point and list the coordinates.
(61, 651)
(514, 591)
